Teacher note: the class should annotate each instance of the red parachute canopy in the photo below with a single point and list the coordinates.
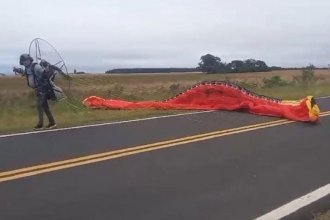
(220, 96)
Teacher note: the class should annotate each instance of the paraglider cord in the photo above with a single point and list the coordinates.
(72, 105)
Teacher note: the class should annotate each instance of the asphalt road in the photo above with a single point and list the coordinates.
(236, 176)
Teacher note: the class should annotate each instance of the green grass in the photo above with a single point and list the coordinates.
(18, 111)
(22, 117)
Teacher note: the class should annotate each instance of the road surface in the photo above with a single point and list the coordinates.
(209, 165)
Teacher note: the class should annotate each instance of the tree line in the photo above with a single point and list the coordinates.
(151, 70)
(212, 64)
(208, 64)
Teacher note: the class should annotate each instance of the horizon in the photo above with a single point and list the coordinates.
(107, 34)
(104, 72)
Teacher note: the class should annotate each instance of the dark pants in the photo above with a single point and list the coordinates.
(42, 106)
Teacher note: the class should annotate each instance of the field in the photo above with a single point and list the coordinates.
(17, 101)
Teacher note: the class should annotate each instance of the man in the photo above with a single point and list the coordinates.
(38, 79)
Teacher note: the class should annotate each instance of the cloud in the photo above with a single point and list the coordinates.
(102, 34)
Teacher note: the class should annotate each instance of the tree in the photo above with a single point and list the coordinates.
(213, 64)
(236, 66)
(210, 64)
(261, 66)
(250, 65)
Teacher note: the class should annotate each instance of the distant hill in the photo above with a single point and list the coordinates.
(152, 70)
(2, 74)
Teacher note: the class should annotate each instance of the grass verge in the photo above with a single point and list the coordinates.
(18, 111)
(322, 216)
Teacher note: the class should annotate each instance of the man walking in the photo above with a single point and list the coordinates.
(38, 79)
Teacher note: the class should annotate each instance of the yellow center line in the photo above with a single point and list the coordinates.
(49, 167)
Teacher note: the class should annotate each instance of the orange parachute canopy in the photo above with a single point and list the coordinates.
(218, 95)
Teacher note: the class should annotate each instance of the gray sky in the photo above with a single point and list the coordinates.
(98, 35)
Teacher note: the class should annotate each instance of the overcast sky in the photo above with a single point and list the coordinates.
(98, 35)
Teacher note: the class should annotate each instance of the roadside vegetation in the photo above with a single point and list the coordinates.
(322, 216)
(18, 113)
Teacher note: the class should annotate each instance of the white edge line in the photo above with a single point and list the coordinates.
(102, 124)
(297, 204)
(324, 97)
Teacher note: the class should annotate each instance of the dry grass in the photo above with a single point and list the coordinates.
(322, 216)
(17, 112)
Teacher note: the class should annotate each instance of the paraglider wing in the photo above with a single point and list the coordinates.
(218, 95)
